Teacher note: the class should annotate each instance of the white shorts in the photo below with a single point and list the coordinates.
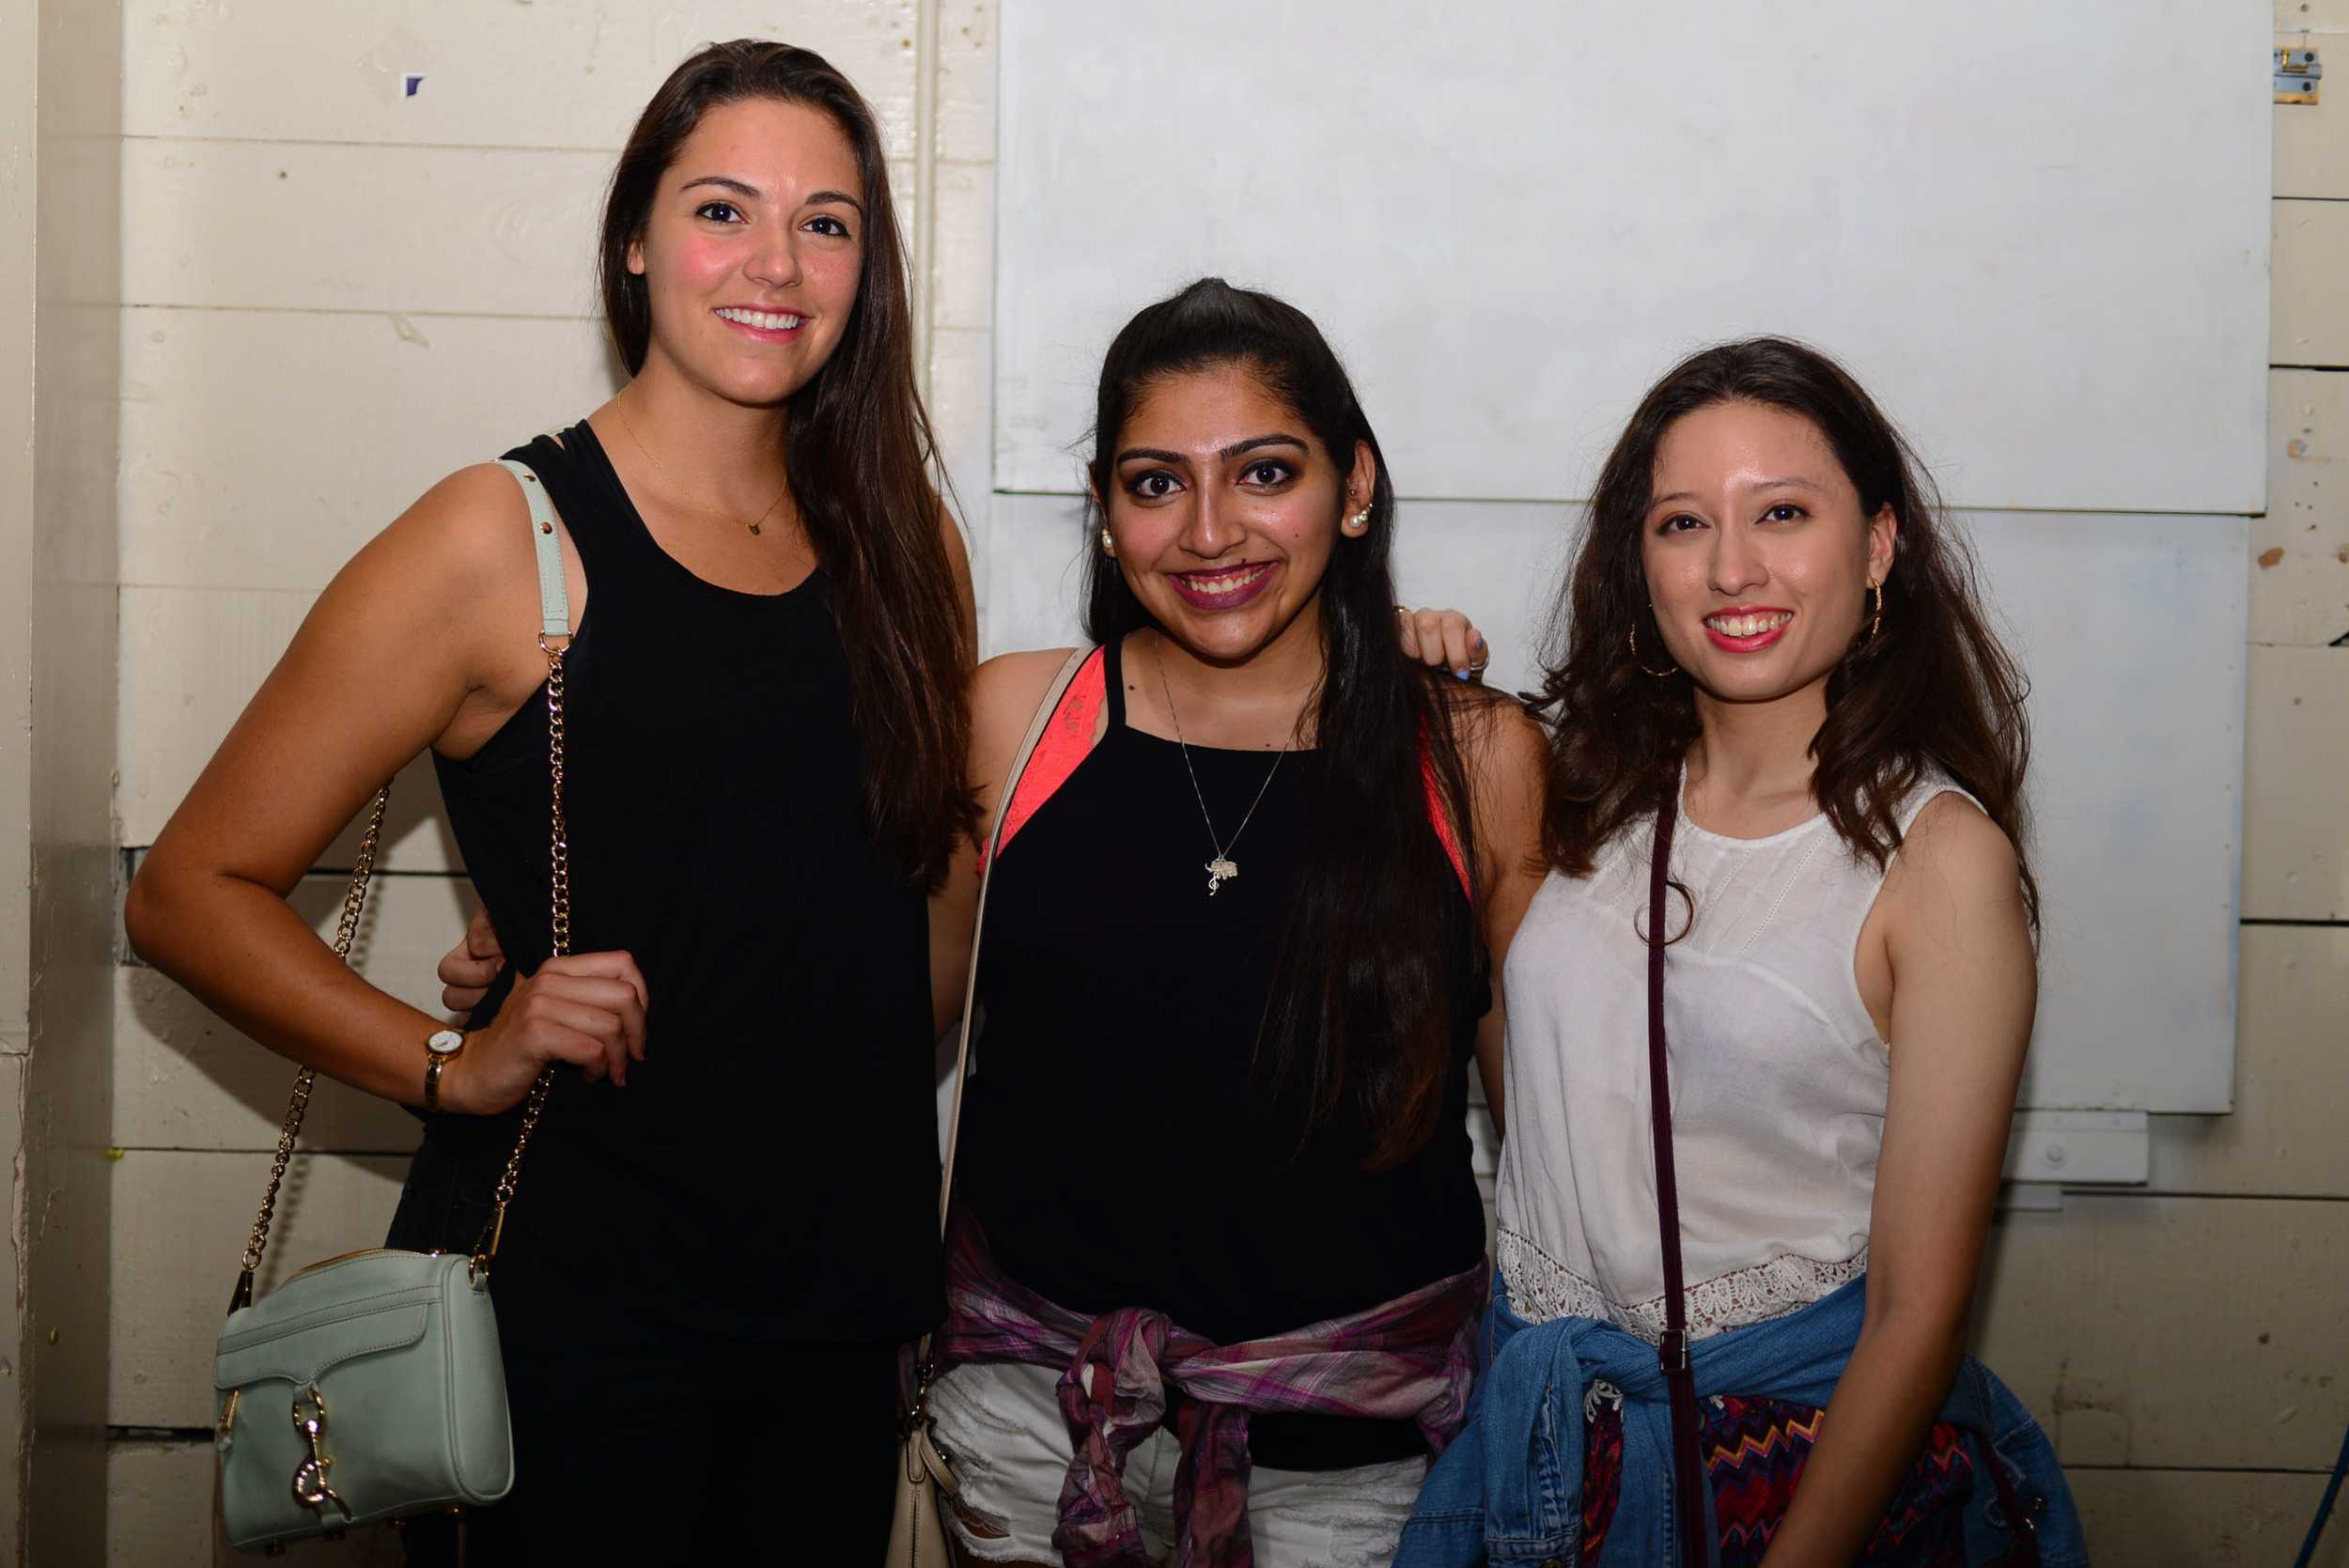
(1001, 1424)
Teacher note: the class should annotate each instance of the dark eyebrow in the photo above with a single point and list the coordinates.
(738, 187)
(1789, 482)
(1254, 441)
(1227, 452)
(750, 192)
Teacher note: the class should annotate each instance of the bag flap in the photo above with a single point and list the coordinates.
(371, 1302)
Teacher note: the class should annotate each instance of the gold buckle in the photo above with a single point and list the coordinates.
(310, 1488)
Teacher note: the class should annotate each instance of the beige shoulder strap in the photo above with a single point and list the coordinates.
(978, 922)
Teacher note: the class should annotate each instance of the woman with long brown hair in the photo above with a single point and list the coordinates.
(1766, 1019)
(725, 1230)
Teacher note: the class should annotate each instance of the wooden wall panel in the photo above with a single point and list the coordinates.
(319, 226)
(2126, 1324)
(181, 1220)
(2296, 835)
(505, 75)
(2309, 306)
(2202, 1518)
(407, 230)
(2292, 1079)
(237, 480)
(965, 81)
(2300, 548)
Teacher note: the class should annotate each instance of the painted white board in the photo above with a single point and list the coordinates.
(2132, 630)
(2039, 232)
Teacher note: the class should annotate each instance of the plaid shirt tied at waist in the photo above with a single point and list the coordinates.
(1412, 1358)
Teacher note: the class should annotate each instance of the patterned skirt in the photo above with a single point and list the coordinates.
(1754, 1451)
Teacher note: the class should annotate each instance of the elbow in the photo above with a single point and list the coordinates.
(140, 916)
(147, 907)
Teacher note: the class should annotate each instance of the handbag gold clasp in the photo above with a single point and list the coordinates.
(310, 1488)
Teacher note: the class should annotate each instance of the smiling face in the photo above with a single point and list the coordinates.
(1223, 508)
(752, 250)
(1757, 553)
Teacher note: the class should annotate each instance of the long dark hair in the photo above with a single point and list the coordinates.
(1931, 687)
(1365, 1001)
(858, 451)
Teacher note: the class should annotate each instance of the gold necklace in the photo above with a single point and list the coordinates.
(639, 442)
(1223, 868)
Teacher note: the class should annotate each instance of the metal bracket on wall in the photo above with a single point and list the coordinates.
(2298, 73)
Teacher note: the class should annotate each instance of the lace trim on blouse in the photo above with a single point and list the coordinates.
(1542, 1288)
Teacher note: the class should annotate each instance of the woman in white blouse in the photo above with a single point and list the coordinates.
(1769, 626)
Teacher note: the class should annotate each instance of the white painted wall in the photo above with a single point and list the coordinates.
(300, 357)
(59, 254)
(1510, 229)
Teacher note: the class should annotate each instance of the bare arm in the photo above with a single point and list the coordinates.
(402, 651)
(1508, 758)
(1965, 984)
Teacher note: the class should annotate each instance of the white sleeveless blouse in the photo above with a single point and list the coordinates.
(1778, 1081)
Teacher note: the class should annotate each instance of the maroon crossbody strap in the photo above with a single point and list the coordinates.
(1690, 1496)
(1688, 1491)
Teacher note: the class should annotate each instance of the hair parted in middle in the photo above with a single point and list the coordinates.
(1932, 688)
(1380, 952)
(858, 454)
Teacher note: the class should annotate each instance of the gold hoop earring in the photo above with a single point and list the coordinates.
(1875, 618)
(1660, 675)
(1109, 546)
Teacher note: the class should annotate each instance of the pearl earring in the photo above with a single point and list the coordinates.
(1357, 522)
(1109, 546)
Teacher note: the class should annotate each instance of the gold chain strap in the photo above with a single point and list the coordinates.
(347, 932)
(559, 900)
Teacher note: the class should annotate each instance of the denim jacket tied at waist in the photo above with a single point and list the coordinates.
(1508, 1489)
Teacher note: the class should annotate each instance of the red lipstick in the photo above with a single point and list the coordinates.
(1223, 587)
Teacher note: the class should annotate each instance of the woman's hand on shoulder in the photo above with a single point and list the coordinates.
(1443, 639)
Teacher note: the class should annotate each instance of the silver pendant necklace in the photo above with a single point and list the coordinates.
(1223, 868)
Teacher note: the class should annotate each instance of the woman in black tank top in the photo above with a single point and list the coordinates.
(723, 1228)
(1249, 894)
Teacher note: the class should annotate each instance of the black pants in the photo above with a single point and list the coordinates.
(648, 1444)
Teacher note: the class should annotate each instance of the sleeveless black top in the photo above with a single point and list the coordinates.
(770, 1169)
(1110, 1148)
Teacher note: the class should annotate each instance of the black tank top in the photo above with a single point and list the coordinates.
(1110, 1148)
(770, 1169)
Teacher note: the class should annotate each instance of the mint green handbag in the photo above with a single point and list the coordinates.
(369, 1385)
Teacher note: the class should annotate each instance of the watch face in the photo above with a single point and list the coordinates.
(446, 1042)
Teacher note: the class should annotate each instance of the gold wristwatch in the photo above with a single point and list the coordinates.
(438, 1050)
